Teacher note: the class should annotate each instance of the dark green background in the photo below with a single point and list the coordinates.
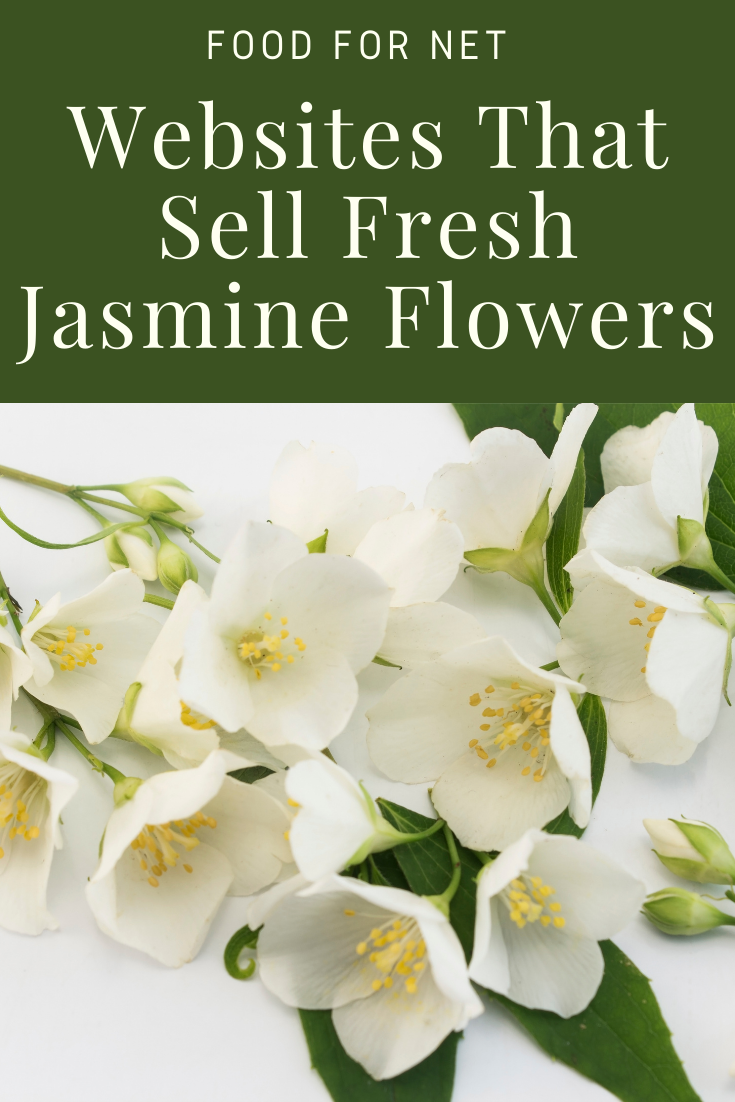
(94, 236)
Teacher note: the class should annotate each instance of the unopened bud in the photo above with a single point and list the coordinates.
(692, 850)
(163, 495)
(174, 566)
(679, 912)
(133, 548)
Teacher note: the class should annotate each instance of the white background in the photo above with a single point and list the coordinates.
(83, 1019)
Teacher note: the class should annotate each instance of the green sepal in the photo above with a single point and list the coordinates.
(714, 849)
(318, 546)
(698, 871)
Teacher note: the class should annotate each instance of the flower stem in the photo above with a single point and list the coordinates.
(51, 716)
(720, 576)
(100, 766)
(544, 596)
(34, 480)
(162, 602)
(550, 666)
(486, 858)
(10, 604)
(419, 837)
(164, 518)
(442, 902)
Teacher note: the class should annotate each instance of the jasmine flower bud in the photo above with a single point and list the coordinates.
(679, 912)
(174, 565)
(162, 495)
(692, 850)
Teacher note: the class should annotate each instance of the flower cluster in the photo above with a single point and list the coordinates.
(239, 694)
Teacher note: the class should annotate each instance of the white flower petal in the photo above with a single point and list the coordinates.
(244, 581)
(393, 1030)
(334, 602)
(307, 949)
(599, 646)
(94, 694)
(627, 457)
(250, 831)
(676, 476)
(494, 498)
(489, 809)
(669, 841)
(710, 447)
(169, 922)
(489, 964)
(15, 669)
(416, 552)
(589, 564)
(550, 971)
(332, 821)
(164, 798)
(597, 896)
(310, 486)
(646, 731)
(564, 456)
(141, 556)
(627, 527)
(424, 632)
(213, 679)
(262, 905)
(355, 519)
(25, 867)
(572, 754)
(308, 703)
(685, 666)
(117, 598)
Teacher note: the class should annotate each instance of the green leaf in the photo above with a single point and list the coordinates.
(430, 1081)
(594, 723)
(620, 1041)
(427, 867)
(721, 516)
(534, 419)
(251, 773)
(563, 541)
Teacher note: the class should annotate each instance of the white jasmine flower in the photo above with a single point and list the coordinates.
(336, 821)
(277, 647)
(85, 653)
(133, 547)
(542, 907)
(174, 850)
(659, 522)
(386, 962)
(314, 490)
(654, 648)
(501, 739)
(628, 455)
(15, 670)
(161, 495)
(32, 796)
(505, 498)
(416, 552)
